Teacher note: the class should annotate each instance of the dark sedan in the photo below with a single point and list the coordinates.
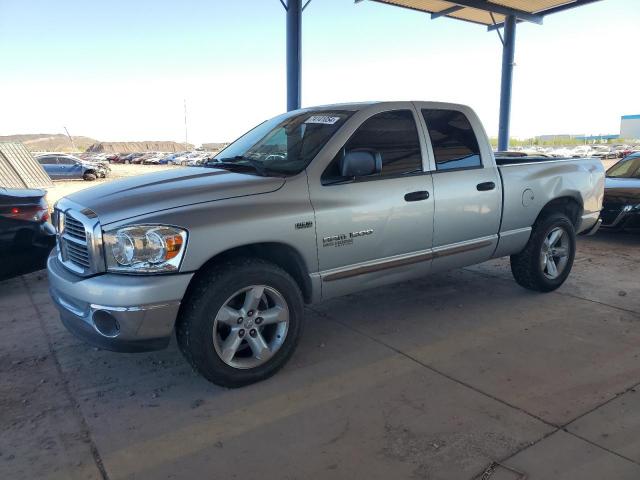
(26, 236)
(621, 205)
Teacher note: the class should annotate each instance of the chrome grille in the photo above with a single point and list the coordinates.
(80, 239)
(74, 228)
(73, 243)
(77, 253)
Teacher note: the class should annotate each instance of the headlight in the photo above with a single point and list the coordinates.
(57, 219)
(144, 249)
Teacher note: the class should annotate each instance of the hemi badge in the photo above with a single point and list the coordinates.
(301, 225)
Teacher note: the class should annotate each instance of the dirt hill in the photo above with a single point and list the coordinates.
(56, 142)
(214, 147)
(148, 146)
(50, 142)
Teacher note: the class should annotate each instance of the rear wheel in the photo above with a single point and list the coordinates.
(241, 322)
(546, 261)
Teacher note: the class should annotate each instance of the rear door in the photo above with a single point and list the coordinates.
(377, 229)
(466, 187)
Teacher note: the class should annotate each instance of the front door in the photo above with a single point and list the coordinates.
(376, 229)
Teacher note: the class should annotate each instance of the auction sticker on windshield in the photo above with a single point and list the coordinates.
(323, 119)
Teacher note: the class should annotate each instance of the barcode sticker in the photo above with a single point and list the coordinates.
(322, 119)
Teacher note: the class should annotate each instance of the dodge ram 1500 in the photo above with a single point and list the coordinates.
(311, 204)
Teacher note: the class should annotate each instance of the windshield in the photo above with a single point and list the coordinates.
(625, 169)
(284, 145)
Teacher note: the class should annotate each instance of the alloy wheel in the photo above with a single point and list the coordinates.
(554, 254)
(251, 326)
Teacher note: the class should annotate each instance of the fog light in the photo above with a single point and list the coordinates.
(106, 324)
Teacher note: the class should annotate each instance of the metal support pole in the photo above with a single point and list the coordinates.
(508, 51)
(294, 53)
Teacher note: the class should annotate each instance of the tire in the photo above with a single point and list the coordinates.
(200, 328)
(527, 266)
(89, 177)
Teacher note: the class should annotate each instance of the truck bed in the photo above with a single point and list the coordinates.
(502, 160)
(529, 183)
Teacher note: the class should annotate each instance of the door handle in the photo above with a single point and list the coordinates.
(416, 196)
(485, 186)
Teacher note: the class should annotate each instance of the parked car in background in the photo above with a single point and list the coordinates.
(197, 160)
(190, 158)
(142, 158)
(103, 166)
(26, 235)
(312, 204)
(168, 159)
(66, 167)
(114, 158)
(130, 157)
(23, 220)
(154, 159)
(621, 204)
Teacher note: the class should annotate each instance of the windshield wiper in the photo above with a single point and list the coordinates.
(251, 164)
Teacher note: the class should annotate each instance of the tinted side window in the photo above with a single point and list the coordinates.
(47, 161)
(454, 143)
(394, 135)
(65, 161)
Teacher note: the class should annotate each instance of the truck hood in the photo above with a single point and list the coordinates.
(130, 197)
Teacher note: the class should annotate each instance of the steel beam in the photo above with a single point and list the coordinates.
(550, 11)
(508, 53)
(294, 53)
(445, 12)
(501, 9)
(498, 26)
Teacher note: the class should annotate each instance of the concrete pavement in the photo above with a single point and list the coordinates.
(437, 378)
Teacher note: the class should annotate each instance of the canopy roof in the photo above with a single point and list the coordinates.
(489, 13)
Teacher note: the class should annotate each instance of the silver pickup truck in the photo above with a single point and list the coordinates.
(309, 205)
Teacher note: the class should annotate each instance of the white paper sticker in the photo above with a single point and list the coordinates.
(322, 119)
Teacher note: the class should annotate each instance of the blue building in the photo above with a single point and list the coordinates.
(630, 126)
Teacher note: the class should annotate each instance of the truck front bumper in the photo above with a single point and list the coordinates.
(123, 313)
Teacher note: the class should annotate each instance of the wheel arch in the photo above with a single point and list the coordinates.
(281, 254)
(568, 205)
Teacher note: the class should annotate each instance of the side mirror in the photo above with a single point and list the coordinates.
(360, 163)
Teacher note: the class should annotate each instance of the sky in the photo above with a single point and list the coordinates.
(121, 70)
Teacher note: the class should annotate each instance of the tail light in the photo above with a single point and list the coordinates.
(30, 213)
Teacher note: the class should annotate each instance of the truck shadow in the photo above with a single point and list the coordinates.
(629, 237)
(15, 263)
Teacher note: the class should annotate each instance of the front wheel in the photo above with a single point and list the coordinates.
(241, 322)
(90, 177)
(546, 261)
